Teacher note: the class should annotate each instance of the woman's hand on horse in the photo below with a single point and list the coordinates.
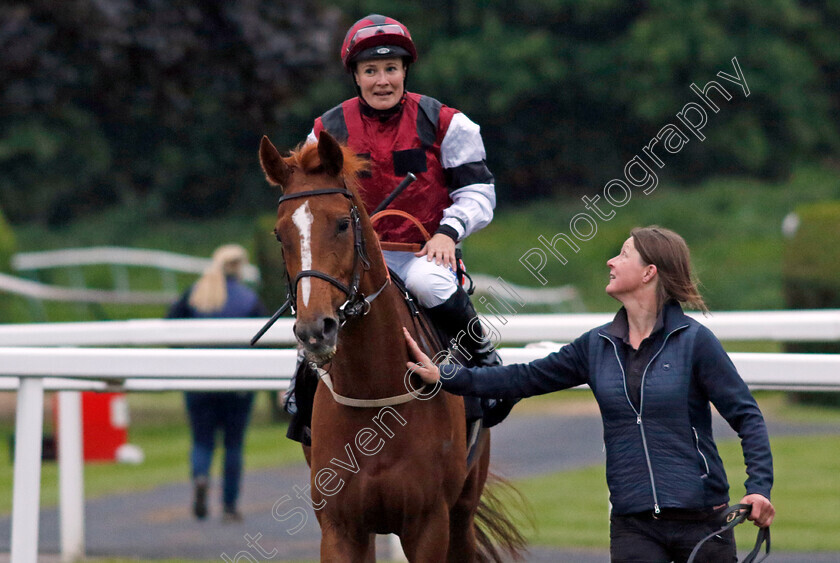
(762, 512)
(441, 249)
(425, 367)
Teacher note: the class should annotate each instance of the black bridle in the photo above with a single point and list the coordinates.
(356, 304)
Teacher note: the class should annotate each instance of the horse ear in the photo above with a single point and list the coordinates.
(276, 170)
(332, 159)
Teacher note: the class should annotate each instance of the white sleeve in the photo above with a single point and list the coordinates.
(473, 191)
(311, 137)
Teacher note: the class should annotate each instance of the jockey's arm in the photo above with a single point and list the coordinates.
(470, 182)
(473, 192)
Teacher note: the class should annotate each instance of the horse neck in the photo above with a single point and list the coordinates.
(374, 342)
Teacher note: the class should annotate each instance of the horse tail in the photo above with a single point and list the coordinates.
(497, 534)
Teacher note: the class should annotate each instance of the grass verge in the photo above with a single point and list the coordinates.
(571, 506)
(159, 426)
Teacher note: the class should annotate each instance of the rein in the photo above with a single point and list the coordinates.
(734, 516)
(356, 304)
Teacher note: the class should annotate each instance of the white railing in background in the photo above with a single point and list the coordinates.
(47, 292)
(560, 299)
(776, 326)
(31, 362)
(565, 298)
(159, 259)
(119, 259)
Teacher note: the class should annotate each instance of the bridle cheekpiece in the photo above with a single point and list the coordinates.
(356, 304)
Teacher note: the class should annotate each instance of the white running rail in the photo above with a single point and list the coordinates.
(160, 259)
(44, 356)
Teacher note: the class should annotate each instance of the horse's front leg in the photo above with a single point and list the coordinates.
(428, 540)
(339, 545)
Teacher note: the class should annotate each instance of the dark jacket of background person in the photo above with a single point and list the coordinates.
(219, 293)
(662, 455)
(240, 302)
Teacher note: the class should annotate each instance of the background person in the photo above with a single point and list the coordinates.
(219, 293)
(654, 372)
(454, 194)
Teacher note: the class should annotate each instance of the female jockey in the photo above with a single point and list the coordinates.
(454, 195)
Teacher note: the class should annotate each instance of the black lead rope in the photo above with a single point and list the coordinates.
(734, 516)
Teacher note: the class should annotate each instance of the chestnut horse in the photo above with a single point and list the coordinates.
(384, 457)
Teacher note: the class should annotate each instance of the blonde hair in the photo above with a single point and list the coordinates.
(209, 294)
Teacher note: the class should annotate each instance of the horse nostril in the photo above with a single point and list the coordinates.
(317, 333)
(330, 328)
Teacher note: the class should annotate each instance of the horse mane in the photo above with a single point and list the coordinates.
(305, 158)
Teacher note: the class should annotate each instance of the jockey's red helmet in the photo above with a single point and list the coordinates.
(376, 37)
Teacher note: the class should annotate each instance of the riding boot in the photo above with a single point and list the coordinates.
(289, 398)
(299, 400)
(457, 318)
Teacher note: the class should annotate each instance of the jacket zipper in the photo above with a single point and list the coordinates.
(656, 509)
(697, 443)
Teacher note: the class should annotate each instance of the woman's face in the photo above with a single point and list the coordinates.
(381, 82)
(628, 272)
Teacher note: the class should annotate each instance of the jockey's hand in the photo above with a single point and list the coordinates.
(762, 513)
(425, 368)
(441, 249)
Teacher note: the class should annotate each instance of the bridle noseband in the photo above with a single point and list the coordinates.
(356, 304)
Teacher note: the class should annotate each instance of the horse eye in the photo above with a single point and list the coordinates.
(277, 236)
(343, 224)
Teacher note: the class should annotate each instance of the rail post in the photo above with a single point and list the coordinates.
(26, 497)
(71, 481)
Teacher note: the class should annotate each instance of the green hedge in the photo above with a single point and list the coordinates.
(269, 259)
(7, 244)
(811, 276)
(7, 250)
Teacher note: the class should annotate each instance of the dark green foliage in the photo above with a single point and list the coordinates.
(106, 102)
(812, 258)
(269, 259)
(160, 105)
(9, 305)
(812, 277)
(567, 92)
(7, 244)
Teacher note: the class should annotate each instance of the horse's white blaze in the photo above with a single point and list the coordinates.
(302, 218)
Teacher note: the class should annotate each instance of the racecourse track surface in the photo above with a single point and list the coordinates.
(157, 524)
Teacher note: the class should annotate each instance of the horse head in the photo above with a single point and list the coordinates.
(319, 228)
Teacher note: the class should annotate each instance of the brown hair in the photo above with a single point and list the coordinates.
(667, 250)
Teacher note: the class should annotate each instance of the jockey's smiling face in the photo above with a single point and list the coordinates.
(381, 81)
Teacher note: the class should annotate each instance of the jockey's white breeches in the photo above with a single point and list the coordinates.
(430, 283)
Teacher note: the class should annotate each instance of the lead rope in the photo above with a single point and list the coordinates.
(734, 516)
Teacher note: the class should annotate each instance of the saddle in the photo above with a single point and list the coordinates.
(432, 337)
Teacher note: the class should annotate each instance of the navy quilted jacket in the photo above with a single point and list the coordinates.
(663, 454)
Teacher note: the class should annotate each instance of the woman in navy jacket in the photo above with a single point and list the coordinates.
(219, 293)
(654, 372)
